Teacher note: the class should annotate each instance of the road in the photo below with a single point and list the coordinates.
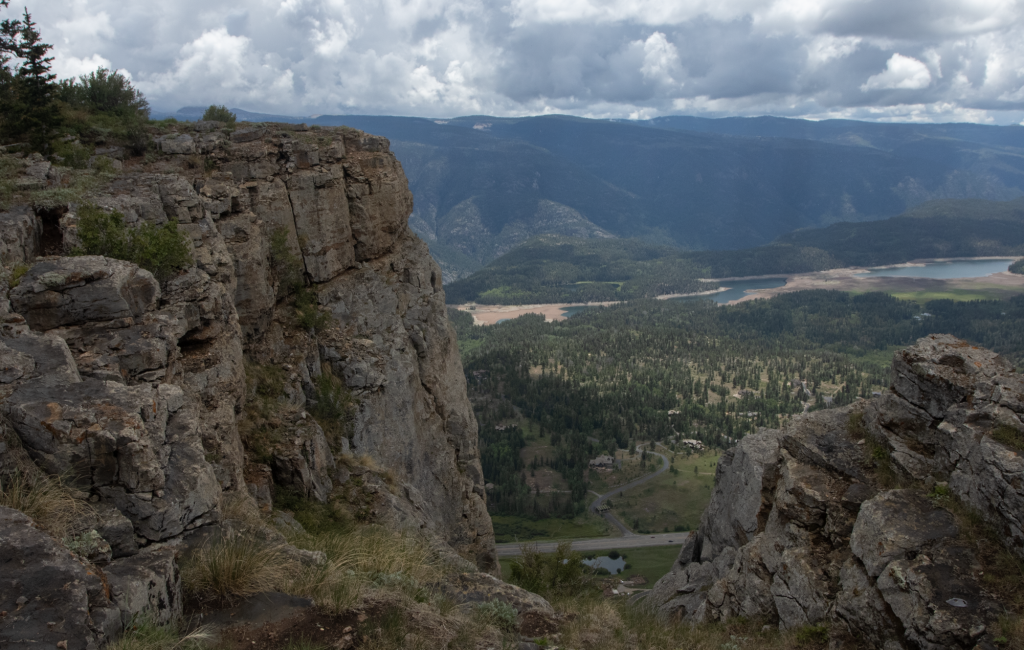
(629, 539)
(598, 543)
(612, 519)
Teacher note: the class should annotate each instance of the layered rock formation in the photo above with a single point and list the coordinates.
(839, 518)
(135, 390)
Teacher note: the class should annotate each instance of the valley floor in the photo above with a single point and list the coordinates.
(996, 286)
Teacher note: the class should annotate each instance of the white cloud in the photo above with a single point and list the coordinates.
(72, 66)
(332, 39)
(958, 59)
(827, 47)
(661, 59)
(901, 73)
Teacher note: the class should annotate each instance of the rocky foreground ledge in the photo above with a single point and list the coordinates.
(135, 390)
(846, 517)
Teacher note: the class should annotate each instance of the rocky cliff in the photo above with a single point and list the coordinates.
(136, 390)
(857, 518)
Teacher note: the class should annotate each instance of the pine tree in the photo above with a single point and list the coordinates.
(35, 86)
(27, 96)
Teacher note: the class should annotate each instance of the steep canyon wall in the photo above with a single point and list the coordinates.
(136, 389)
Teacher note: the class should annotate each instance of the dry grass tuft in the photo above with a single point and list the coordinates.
(236, 566)
(45, 499)
(596, 623)
(362, 558)
(240, 507)
(1003, 571)
(143, 634)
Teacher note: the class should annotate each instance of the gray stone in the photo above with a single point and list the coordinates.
(177, 143)
(116, 438)
(305, 462)
(49, 597)
(861, 605)
(20, 231)
(248, 134)
(113, 527)
(895, 525)
(77, 290)
(485, 588)
(147, 583)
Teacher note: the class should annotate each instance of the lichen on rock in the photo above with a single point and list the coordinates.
(802, 530)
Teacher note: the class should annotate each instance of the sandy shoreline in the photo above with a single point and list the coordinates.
(844, 279)
(491, 314)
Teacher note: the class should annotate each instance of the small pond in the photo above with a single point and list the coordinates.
(604, 562)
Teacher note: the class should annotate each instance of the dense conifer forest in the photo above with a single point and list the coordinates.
(610, 376)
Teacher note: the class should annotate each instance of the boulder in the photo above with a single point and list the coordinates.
(48, 597)
(20, 231)
(147, 583)
(801, 531)
(535, 614)
(177, 143)
(897, 524)
(76, 290)
(125, 446)
(305, 462)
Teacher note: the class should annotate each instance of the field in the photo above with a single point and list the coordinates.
(651, 563)
(673, 500)
(508, 528)
(997, 286)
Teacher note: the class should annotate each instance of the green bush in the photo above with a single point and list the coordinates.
(308, 311)
(1017, 267)
(499, 614)
(286, 264)
(161, 250)
(335, 407)
(219, 114)
(1009, 436)
(104, 91)
(561, 573)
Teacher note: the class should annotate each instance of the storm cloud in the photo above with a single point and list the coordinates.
(926, 60)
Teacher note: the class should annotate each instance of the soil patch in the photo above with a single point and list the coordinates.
(310, 627)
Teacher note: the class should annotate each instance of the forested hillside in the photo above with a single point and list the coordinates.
(559, 269)
(609, 376)
(553, 269)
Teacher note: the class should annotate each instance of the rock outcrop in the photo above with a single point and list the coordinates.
(135, 390)
(839, 518)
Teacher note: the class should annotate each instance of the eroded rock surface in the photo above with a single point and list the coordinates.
(136, 389)
(800, 530)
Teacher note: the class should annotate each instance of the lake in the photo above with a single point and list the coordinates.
(942, 270)
(736, 289)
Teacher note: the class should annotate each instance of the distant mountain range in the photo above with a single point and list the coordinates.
(483, 185)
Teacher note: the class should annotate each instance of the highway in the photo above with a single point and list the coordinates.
(629, 539)
(599, 543)
(612, 519)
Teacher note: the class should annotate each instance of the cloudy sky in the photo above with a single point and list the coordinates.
(923, 60)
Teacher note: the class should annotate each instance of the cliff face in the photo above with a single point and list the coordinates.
(139, 389)
(843, 517)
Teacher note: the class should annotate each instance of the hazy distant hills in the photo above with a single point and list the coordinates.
(483, 185)
(559, 269)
